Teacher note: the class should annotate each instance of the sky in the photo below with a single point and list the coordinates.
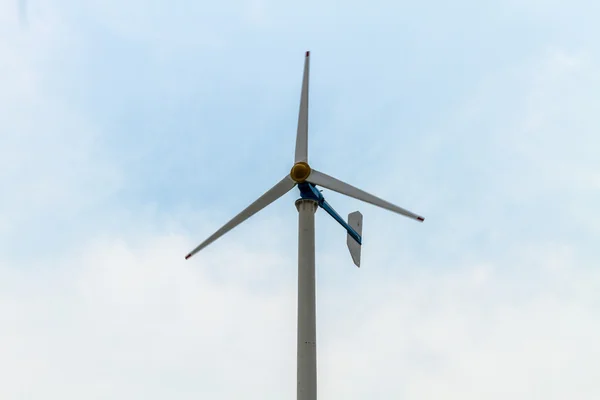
(130, 131)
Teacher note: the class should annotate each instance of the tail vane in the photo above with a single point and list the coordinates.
(355, 220)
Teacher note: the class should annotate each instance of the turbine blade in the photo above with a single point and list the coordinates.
(321, 179)
(284, 186)
(302, 135)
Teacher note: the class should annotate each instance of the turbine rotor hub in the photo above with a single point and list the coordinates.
(300, 172)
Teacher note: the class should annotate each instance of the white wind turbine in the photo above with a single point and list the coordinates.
(307, 179)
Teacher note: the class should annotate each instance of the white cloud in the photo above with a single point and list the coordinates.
(130, 318)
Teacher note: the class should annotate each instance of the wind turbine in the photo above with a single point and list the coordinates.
(307, 179)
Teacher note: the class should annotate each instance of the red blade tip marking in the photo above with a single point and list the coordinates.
(307, 53)
(188, 256)
(421, 219)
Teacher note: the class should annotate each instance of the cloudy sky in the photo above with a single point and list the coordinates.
(130, 131)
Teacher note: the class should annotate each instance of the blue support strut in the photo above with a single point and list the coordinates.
(309, 191)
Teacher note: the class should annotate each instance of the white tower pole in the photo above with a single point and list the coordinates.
(307, 335)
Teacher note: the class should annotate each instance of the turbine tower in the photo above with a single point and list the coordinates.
(307, 179)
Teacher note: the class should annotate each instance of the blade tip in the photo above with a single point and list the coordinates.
(188, 256)
(308, 54)
(420, 219)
